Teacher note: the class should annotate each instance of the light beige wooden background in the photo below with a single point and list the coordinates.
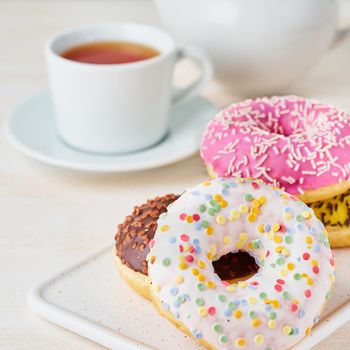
(49, 218)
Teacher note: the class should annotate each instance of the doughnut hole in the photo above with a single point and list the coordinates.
(235, 266)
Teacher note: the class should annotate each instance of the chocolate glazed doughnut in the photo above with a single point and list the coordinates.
(132, 242)
(132, 246)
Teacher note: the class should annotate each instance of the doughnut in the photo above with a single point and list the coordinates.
(132, 242)
(273, 309)
(296, 144)
(335, 215)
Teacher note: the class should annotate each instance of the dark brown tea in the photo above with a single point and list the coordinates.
(110, 52)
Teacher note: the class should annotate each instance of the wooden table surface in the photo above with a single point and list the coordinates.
(49, 217)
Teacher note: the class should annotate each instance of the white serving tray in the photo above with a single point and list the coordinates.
(92, 300)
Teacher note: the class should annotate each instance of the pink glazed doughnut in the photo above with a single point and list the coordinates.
(299, 145)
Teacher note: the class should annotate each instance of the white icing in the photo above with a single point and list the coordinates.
(288, 307)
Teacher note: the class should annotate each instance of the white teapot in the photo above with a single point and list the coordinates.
(257, 46)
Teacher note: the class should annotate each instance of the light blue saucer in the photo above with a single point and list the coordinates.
(31, 129)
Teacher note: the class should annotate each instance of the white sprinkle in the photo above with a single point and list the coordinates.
(288, 179)
(290, 164)
(231, 166)
(261, 161)
(308, 172)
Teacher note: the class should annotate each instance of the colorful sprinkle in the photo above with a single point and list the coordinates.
(212, 310)
(220, 219)
(200, 302)
(259, 339)
(286, 330)
(241, 343)
(217, 328)
(166, 262)
(183, 266)
(237, 314)
(224, 339)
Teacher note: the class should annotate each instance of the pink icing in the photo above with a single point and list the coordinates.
(294, 143)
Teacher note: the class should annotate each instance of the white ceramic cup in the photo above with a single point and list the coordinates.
(117, 108)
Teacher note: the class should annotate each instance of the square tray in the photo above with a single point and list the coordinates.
(91, 299)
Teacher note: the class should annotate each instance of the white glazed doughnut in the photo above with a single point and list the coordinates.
(272, 310)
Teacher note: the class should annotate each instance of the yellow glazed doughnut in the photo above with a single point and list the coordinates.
(272, 310)
(335, 215)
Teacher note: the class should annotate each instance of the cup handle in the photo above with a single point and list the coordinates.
(194, 88)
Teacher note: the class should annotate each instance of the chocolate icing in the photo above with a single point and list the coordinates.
(135, 233)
